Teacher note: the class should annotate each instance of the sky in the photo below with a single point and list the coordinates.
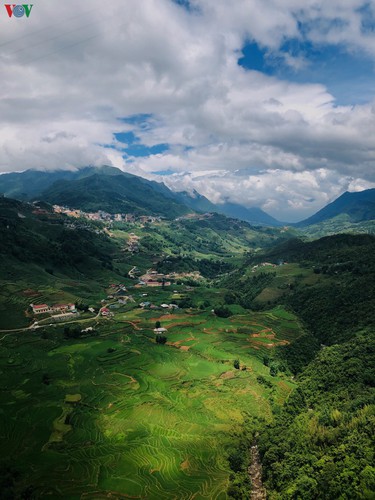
(267, 103)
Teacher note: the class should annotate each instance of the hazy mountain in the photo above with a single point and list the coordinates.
(358, 207)
(196, 201)
(29, 184)
(252, 215)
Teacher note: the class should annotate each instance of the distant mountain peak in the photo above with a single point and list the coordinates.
(253, 215)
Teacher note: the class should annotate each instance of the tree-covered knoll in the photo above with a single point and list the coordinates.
(344, 301)
(207, 267)
(333, 293)
(355, 250)
(214, 245)
(218, 233)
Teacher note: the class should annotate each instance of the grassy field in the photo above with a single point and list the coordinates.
(118, 414)
(285, 277)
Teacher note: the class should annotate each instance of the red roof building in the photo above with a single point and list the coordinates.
(40, 308)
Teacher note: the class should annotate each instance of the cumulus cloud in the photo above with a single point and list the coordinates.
(70, 76)
(286, 195)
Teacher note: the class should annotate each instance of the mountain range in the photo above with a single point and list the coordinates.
(110, 189)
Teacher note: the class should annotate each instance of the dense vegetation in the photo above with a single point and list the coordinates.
(337, 306)
(321, 446)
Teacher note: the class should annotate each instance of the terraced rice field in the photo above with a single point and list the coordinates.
(124, 417)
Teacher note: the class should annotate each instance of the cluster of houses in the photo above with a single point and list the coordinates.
(103, 216)
(133, 243)
(104, 311)
(195, 216)
(153, 278)
(149, 305)
(267, 264)
(119, 293)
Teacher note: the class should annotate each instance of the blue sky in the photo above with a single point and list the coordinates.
(348, 76)
(134, 147)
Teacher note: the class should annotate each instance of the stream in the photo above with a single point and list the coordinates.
(258, 492)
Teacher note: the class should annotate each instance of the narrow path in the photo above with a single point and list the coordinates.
(46, 322)
(6, 335)
(134, 325)
(258, 492)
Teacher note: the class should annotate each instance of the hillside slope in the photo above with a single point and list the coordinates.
(321, 444)
(357, 206)
(115, 193)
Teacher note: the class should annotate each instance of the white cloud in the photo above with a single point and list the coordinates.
(69, 76)
(286, 195)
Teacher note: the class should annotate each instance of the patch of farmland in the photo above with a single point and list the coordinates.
(151, 421)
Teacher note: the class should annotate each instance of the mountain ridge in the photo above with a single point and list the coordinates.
(115, 193)
(359, 206)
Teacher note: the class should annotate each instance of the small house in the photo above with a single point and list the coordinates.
(160, 330)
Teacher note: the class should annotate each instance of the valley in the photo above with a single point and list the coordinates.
(148, 357)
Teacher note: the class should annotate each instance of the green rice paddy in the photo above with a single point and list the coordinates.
(124, 417)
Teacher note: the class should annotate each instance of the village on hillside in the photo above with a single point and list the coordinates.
(117, 296)
(153, 278)
(102, 216)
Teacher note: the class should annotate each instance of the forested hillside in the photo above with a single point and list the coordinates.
(321, 444)
(33, 236)
(357, 206)
(343, 301)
